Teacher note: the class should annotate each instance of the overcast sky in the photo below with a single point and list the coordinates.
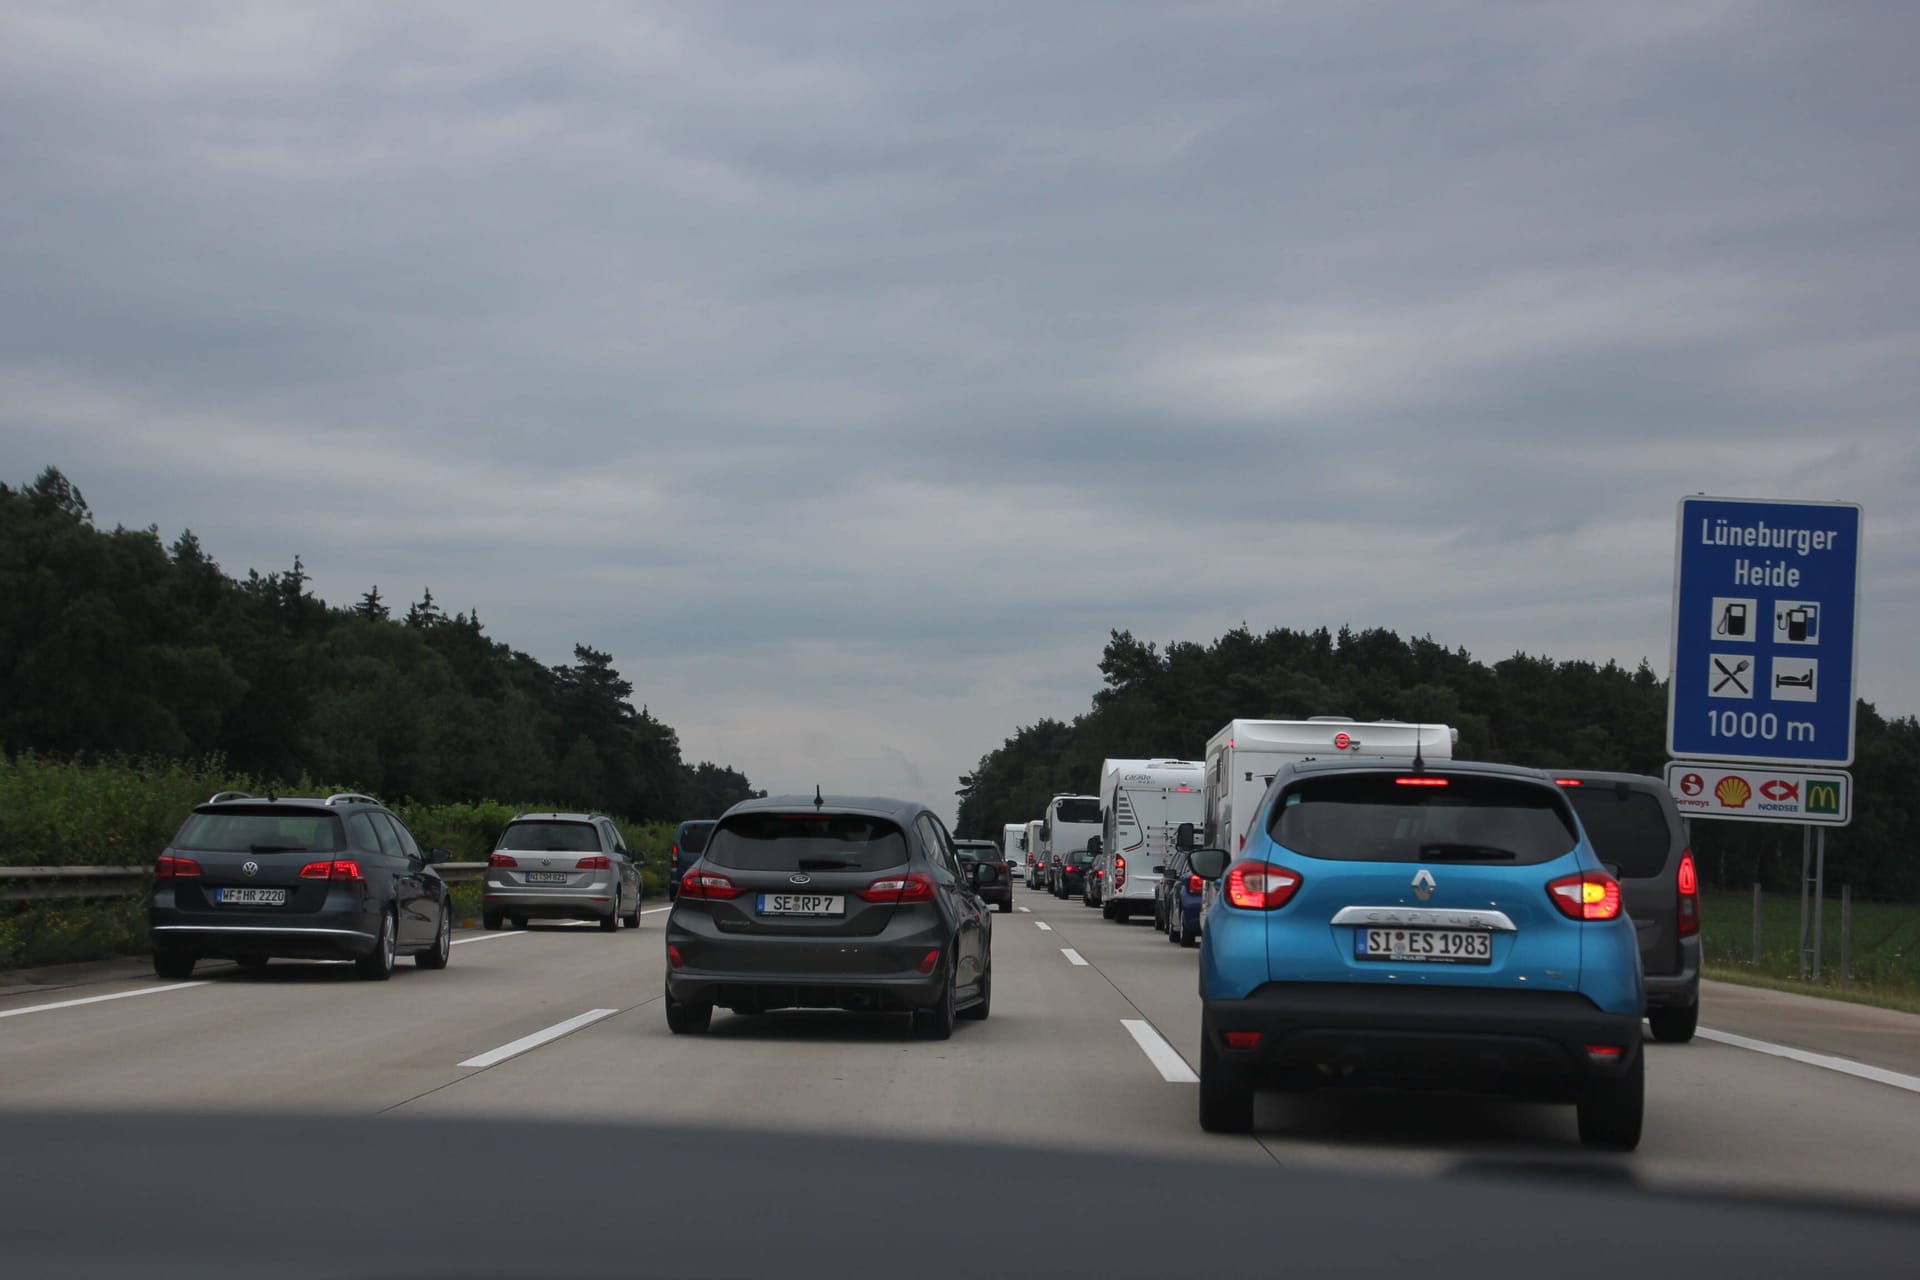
(850, 370)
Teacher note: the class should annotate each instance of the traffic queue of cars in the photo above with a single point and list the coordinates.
(1369, 911)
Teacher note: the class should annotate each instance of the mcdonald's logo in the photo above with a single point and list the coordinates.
(1823, 797)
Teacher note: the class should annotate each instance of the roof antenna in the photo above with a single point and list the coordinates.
(818, 800)
(1419, 761)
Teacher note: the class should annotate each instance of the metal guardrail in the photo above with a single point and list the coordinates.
(31, 884)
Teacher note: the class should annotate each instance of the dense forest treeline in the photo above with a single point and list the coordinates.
(114, 643)
(1523, 710)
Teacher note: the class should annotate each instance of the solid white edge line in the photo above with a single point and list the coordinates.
(516, 1047)
(1042, 924)
(1172, 1067)
(1028, 910)
(118, 995)
(1073, 957)
(1845, 1066)
(490, 937)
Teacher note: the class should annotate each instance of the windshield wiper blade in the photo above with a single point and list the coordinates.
(275, 848)
(1465, 852)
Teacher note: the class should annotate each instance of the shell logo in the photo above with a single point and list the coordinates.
(1733, 792)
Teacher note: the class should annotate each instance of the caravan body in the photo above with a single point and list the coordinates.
(1142, 804)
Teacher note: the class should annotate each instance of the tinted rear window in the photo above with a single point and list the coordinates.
(551, 837)
(806, 842)
(1374, 818)
(693, 836)
(261, 831)
(1080, 811)
(1629, 831)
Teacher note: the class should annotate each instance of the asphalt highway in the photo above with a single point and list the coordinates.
(1093, 1034)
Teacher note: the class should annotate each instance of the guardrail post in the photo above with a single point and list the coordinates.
(1846, 934)
(1756, 924)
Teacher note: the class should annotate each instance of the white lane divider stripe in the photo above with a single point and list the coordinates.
(118, 995)
(1845, 1066)
(488, 937)
(1172, 1067)
(654, 911)
(1042, 924)
(1073, 957)
(538, 1038)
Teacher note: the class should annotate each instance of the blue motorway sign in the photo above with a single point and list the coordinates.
(1765, 611)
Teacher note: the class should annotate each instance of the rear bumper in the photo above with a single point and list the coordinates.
(345, 933)
(592, 904)
(1679, 990)
(758, 971)
(1531, 1043)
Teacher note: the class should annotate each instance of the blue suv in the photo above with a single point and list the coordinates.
(1446, 927)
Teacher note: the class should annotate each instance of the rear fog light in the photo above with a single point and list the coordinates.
(1243, 1039)
(929, 961)
(1604, 1052)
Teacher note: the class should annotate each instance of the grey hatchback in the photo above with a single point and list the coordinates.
(838, 902)
(1635, 829)
(562, 866)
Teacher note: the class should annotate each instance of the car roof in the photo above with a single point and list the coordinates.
(1638, 781)
(878, 806)
(327, 804)
(549, 815)
(1486, 768)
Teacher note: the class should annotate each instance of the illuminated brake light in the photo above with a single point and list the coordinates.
(1689, 896)
(915, 886)
(1421, 781)
(706, 884)
(1195, 884)
(336, 869)
(174, 867)
(1586, 895)
(1261, 886)
(597, 863)
(1119, 871)
(1569, 782)
(502, 860)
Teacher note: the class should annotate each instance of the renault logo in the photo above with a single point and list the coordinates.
(799, 879)
(1423, 885)
(250, 868)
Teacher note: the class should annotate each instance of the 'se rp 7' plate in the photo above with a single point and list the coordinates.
(802, 904)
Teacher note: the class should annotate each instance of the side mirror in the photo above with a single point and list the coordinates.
(1208, 864)
(1094, 846)
(437, 855)
(1183, 836)
(1159, 870)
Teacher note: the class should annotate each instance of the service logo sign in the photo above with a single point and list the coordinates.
(1760, 794)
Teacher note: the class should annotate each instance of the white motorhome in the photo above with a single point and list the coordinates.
(1142, 804)
(1071, 821)
(1013, 842)
(1036, 865)
(1243, 757)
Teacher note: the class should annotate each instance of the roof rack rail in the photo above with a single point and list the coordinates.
(218, 796)
(348, 797)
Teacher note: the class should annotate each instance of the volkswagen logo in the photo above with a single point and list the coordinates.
(250, 868)
(1423, 885)
(546, 862)
(799, 879)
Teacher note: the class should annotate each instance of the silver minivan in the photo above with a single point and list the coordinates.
(562, 866)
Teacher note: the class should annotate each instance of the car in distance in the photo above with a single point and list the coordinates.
(1635, 828)
(1178, 904)
(994, 879)
(836, 902)
(1068, 873)
(561, 866)
(342, 878)
(1093, 888)
(1477, 943)
(688, 841)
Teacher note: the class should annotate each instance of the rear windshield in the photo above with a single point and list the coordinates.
(261, 831)
(979, 852)
(551, 837)
(693, 836)
(1629, 830)
(1374, 818)
(1080, 811)
(806, 842)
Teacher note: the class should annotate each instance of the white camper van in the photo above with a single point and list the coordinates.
(1013, 843)
(1243, 757)
(1142, 804)
(1036, 859)
(1071, 821)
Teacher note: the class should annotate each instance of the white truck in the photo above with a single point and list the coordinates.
(1013, 843)
(1142, 804)
(1243, 757)
(1071, 821)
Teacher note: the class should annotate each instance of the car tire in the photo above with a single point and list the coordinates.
(1106, 911)
(1122, 914)
(519, 922)
(935, 1022)
(1674, 1025)
(492, 920)
(1006, 907)
(1174, 924)
(171, 964)
(436, 956)
(1611, 1110)
(978, 1011)
(633, 916)
(688, 1018)
(1226, 1092)
(378, 967)
(1188, 937)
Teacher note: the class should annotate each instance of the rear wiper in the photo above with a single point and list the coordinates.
(822, 864)
(1465, 852)
(275, 848)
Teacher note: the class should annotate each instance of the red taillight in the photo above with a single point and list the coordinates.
(1589, 895)
(502, 860)
(673, 956)
(706, 884)
(1689, 896)
(1243, 1039)
(1069, 866)
(1570, 782)
(599, 862)
(1119, 872)
(673, 851)
(1421, 781)
(1099, 875)
(915, 886)
(1261, 886)
(173, 867)
(337, 869)
(1195, 884)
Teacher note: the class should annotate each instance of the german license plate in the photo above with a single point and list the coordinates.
(251, 897)
(546, 877)
(1443, 946)
(802, 904)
